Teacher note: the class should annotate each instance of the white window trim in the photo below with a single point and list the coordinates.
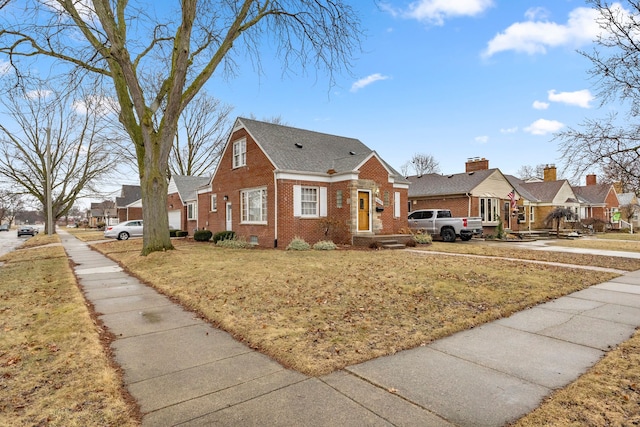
(494, 216)
(214, 203)
(321, 202)
(243, 205)
(192, 211)
(532, 213)
(239, 155)
(396, 204)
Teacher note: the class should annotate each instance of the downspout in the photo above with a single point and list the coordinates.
(469, 209)
(275, 209)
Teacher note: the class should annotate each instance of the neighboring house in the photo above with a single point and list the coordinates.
(539, 198)
(598, 201)
(630, 210)
(129, 205)
(182, 201)
(478, 192)
(103, 213)
(274, 183)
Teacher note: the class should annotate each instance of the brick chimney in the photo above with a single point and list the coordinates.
(476, 164)
(550, 173)
(591, 179)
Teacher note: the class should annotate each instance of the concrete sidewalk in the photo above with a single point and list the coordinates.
(182, 371)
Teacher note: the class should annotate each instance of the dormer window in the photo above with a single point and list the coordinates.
(240, 153)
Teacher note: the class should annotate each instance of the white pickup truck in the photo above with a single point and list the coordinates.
(440, 222)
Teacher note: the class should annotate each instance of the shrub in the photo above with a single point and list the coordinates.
(422, 238)
(298, 244)
(234, 243)
(202, 235)
(182, 233)
(324, 245)
(374, 245)
(411, 243)
(224, 235)
(172, 233)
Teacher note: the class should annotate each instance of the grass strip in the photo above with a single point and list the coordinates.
(53, 366)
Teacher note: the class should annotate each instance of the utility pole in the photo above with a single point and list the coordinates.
(48, 178)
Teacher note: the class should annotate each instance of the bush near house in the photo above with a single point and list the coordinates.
(298, 244)
(223, 235)
(202, 235)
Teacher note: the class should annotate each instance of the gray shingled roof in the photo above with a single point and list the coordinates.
(523, 192)
(626, 198)
(188, 186)
(299, 150)
(128, 195)
(595, 194)
(434, 184)
(544, 191)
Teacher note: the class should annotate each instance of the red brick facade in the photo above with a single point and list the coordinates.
(282, 224)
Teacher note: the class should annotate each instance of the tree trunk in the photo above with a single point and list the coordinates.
(154, 211)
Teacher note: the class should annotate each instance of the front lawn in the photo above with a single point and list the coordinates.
(318, 311)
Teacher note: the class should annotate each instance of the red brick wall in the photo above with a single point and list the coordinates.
(258, 172)
(134, 213)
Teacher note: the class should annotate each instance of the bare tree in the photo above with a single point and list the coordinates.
(50, 140)
(421, 164)
(609, 143)
(186, 46)
(527, 172)
(556, 216)
(11, 203)
(203, 127)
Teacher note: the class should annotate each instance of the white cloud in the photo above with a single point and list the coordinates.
(436, 11)
(536, 13)
(543, 127)
(101, 105)
(38, 93)
(509, 130)
(366, 81)
(536, 36)
(4, 67)
(482, 139)
(580, 98)
(539, 105)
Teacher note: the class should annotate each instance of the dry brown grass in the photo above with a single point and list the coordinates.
(607, 395)
(318, 311)
(601, 244)
(514, 250)
(53, 367)
(87, 235)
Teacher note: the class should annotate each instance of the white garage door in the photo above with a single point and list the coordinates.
(175, 219)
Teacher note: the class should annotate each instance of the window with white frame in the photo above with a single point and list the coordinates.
(240, 153)
(489, 209)
(309, 202)
(532, 214)
(191, 210)
(214, 203)
(396, 204)
(253, 204)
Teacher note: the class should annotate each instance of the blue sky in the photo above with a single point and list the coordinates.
(451, 78)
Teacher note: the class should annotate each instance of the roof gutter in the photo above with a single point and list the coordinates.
(275, 208)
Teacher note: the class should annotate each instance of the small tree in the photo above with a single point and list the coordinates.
(556, 216)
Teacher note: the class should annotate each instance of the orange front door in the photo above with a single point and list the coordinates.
(363, 211)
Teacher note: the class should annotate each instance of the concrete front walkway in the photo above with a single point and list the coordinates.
(183, 371)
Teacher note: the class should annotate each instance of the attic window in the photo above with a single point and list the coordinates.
(297, 144)
(471, 173)
(353, 153)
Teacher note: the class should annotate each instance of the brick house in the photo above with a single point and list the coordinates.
(598, 201)
(478, 192)
(129, 205)
(275, 182)
(630, 210)
(102, 213)
(182, 201)
(539, 197)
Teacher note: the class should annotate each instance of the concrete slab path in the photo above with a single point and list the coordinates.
(185, 372)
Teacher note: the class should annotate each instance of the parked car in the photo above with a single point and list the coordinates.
(27, 230)
(4, 227)
(124, 230)
(440, 222)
